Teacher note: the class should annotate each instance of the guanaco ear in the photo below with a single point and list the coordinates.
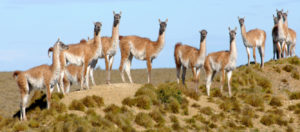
(287, 11)
(229, 29)
(238, 18)
(159, 21)
(58, 39)
(235, 29)
(244, 17)
(94, 23)
(273, 16)
(166, 20)
(50, 50)
(120, 13)
(114, 13)
(276, 10)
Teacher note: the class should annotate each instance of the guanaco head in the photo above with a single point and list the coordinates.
(203, 34)
(117, 18)
(58, 46)
(285, 15)
(279, 14)
(241, 20)
(232, 33)
(162, 26)
(97, 27)
(275, 19)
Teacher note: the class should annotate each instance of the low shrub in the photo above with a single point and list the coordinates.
(288, 68)
(129, 101)
(294, 95)
(77, 105)
(143, 102)
(255, 100)
(247, 121)
(207, 110)
(144, 120)
(275, 101)
(157, 117)
(295, 74)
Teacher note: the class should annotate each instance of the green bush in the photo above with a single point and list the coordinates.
(143, 102)
(166, 91)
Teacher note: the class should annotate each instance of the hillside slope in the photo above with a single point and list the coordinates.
(263, 100)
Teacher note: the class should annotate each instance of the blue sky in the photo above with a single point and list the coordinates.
(30, 27)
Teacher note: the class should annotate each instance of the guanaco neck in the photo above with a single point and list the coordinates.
(115, 33)
(161, 40)
(233, 52)
(97, 38)
(243, 31)
(280, 24)
(285, 22)
(55, 60)
(202, 50)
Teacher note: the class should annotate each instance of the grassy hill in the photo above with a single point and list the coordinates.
(263, 100)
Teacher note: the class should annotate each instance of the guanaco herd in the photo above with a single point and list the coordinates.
(82, 57)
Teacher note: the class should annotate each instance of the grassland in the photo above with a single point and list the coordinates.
(263, 100)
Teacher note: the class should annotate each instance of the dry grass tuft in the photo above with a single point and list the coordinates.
(247, 121)
(295, 74)
(173, 105)
(273, 118)
(113, 109)
(144, 120)
(294, 95)
(129, 101)
(207, 110)
(143, 102)
(77, 105)
(275, 101)
(288, 68)
(157, 117)
(230, 104)
(277, 69)
(20, 126)
(255, 100)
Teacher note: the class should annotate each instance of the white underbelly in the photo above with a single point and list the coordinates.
(76, 60)
(36, 82)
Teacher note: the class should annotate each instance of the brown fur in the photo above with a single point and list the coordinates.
(253, 39)
(281, 39)
(225, 61)
(39, 77)
(75, 71)
(195, 58)
(85, 49)
(151, 49)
